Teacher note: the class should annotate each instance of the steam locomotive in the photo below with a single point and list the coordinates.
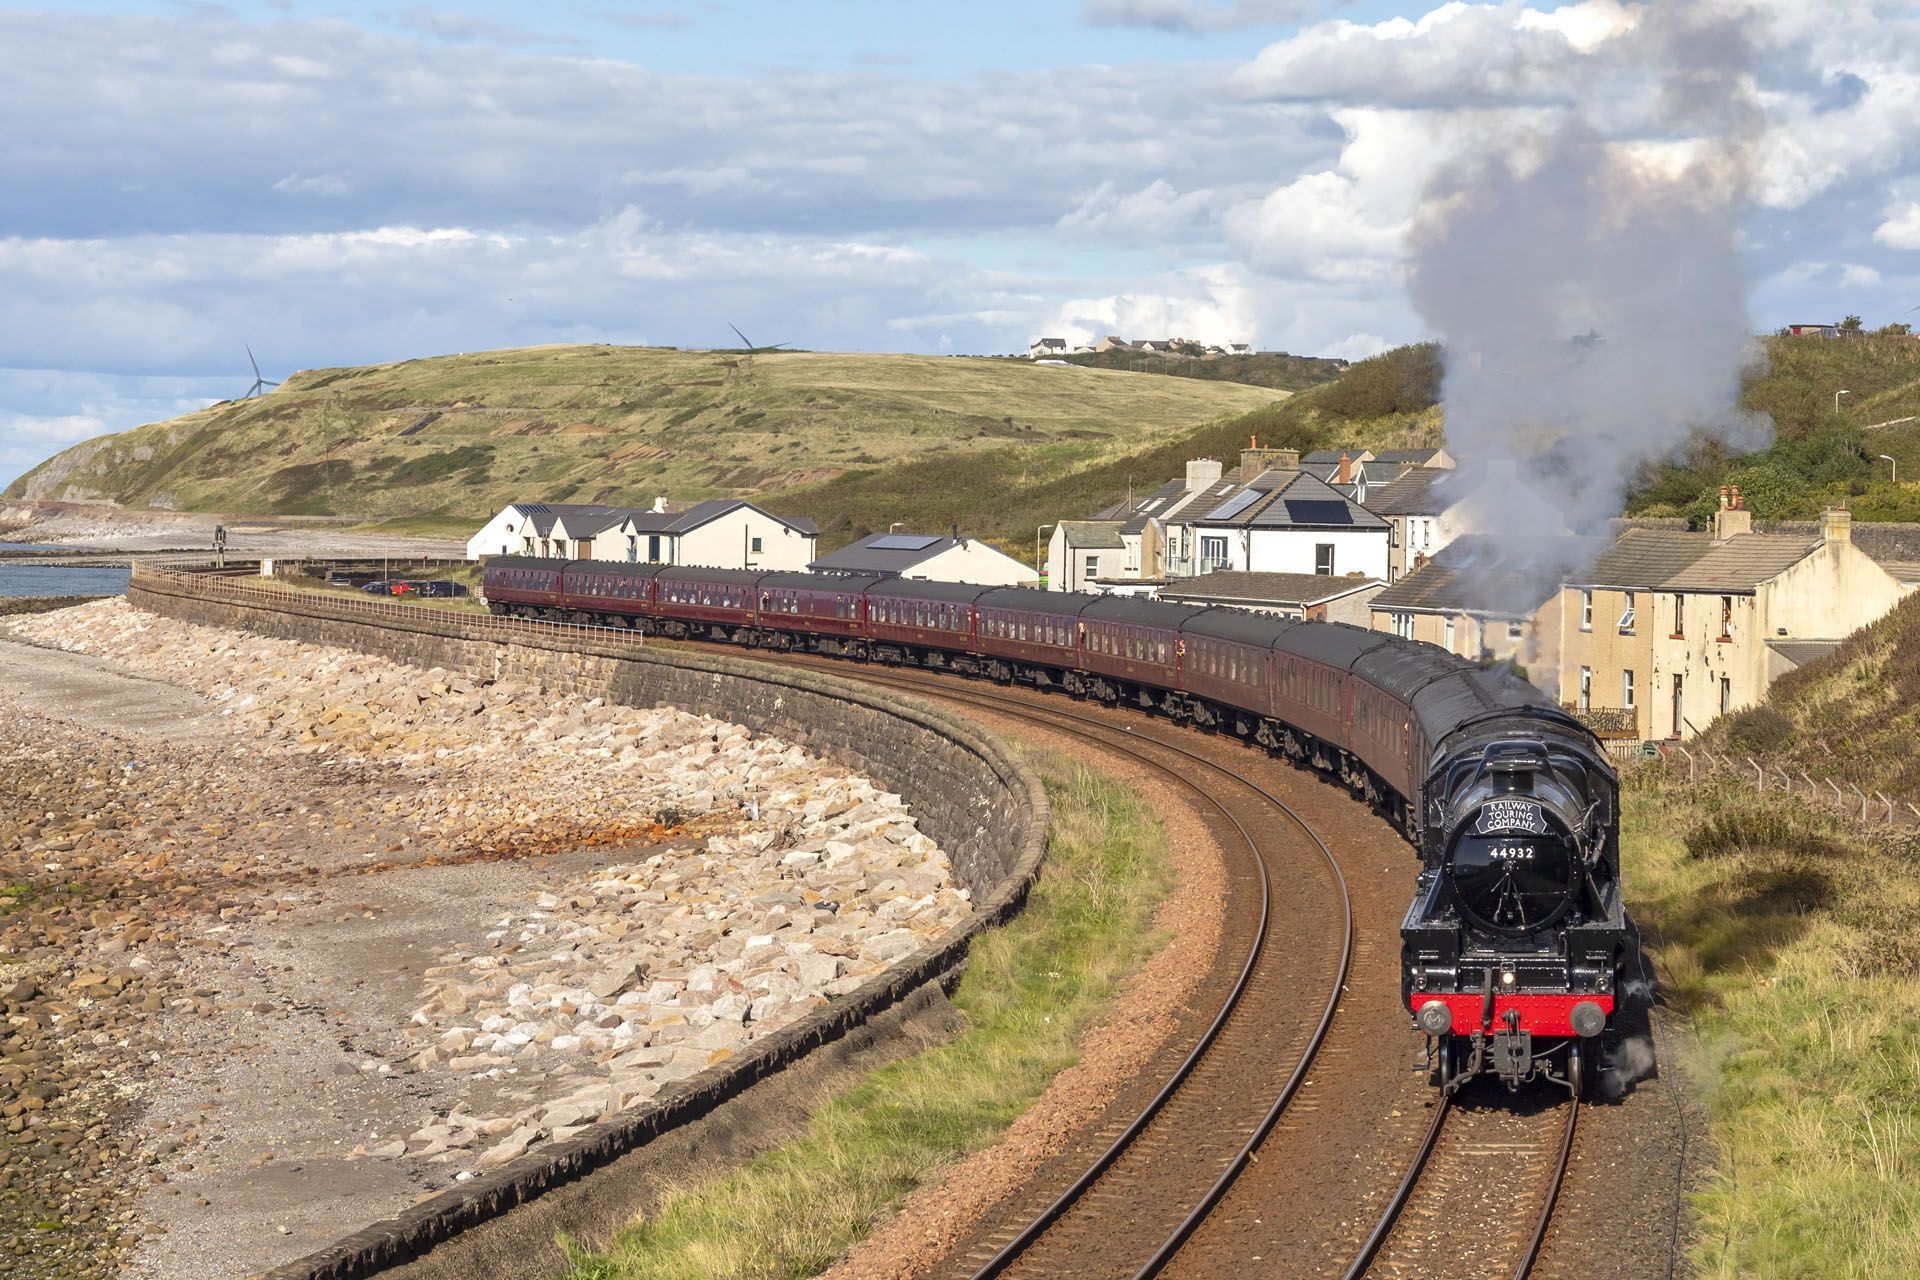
(1516, 948)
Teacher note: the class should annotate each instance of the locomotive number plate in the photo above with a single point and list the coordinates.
(1511, 815)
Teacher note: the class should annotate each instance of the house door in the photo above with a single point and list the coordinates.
(1678, 721)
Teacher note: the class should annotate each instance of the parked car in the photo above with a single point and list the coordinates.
(441, 589)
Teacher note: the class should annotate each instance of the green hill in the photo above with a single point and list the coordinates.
(1820, 455)
(450, 439)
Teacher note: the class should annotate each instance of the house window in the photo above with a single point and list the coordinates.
(633, 549)
(1679, 717)
(1403, 625)
(1726, 618)
(1626, 617)
(1449, 641)
(1726, 695)
(1679, 625)
(754, 546)
(1323, 558)
(1586, 610)
(653, 547)
(1092, 570)
(1213, 554)
(1586, 688)
(1626, 689)
(1515, 631)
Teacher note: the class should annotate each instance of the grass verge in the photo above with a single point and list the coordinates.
(1792, 941)
(1029, 991)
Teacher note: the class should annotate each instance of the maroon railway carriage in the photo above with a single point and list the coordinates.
(1131, 647)
(829, 606)
(609, 591)
(691, 600)
(1039, 628)
(934, 616)
(1227, 669)
(523, 584)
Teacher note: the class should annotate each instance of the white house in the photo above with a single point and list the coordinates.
(1047, 348)
(539, 529)
(1083, 550)
(928, 558)
(722, 533)
(1299, 525)
(727, 533)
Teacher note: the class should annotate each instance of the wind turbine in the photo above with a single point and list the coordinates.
(260, 384)
(750, 351)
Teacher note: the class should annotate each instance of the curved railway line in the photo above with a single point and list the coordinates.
(1171, 1182)
(1467, 1158)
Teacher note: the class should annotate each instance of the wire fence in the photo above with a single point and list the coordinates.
(1870, 807)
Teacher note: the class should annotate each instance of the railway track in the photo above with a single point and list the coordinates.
(1155, 1176)
(1468, 1168)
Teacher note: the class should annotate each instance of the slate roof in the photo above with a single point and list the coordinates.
(1801, 652)
(584, 519)
(1895, 545)
(1417, 491)
(864, 557)
(1642, 559)
(1090, 535)
(1270, 588)
(1331, 457)
(1483, 574)
(1740, 564)
(1296, 501)
(1417, 457)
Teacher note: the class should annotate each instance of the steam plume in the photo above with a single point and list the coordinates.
(1586, 286)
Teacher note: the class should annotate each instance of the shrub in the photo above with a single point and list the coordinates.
(1759, 729)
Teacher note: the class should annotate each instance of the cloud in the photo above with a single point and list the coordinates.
(1192, 15)
(662, 21)
(319, 184)
(1155, 213)
(1901, 230)
(461, 28)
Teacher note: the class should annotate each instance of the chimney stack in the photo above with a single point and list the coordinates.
(1255, 459)
(1202, 472)
(1345, 474)
(1836, 525)
(1733, 518)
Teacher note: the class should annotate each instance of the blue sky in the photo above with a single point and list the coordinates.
(354, 181)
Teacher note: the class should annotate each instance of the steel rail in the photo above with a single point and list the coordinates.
(1038, 1226)
(1390, 1216)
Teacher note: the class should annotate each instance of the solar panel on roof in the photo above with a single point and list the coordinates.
(1236, 504)
(1317, 511)
(902, 542)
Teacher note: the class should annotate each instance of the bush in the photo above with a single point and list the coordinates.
(1403, 380)
(1746, 829)
(1759, 729)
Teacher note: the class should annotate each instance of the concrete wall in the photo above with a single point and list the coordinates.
(969, 793)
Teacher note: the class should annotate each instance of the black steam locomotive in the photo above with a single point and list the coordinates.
(1517, 945)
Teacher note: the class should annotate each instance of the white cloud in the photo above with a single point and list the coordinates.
(1155, 213)
(319, 184)
(1192, 15)
(1901, 230)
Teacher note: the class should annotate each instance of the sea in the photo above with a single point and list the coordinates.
(58, 580)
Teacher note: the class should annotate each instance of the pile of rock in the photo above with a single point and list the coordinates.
(783, 881)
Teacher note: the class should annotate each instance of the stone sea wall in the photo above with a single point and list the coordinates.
(985, 808)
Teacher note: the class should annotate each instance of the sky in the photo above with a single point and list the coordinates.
(336, 182)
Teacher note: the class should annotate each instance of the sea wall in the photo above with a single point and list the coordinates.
(967, 790)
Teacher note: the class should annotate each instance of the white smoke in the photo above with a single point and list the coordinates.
(1585, 280)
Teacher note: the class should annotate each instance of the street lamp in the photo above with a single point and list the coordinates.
(1893, 466)
(1836, 399)
(1039, 561)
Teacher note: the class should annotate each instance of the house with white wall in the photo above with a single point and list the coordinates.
(925, 557)
(723, 533)
(1289, 522)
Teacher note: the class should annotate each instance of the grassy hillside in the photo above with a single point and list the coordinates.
(1820, 456)
(456, 437)
(1386, 401)
(1790, 938)
(1275, 369)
